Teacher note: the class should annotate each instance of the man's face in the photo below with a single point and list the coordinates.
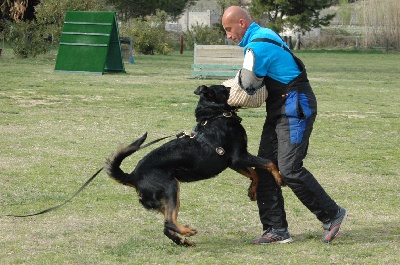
(234, 31)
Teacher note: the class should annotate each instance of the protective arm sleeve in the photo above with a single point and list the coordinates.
(248, 80)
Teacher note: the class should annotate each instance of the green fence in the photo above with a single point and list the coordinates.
(90, 43)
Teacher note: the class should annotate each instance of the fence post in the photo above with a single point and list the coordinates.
(2, 48)
(298, 42)
(290, 43)
(387, 44)
(181, 44)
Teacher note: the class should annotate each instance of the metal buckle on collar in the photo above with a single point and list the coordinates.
(185, 134)
(227, 114)
(181, 134)
(220, 151)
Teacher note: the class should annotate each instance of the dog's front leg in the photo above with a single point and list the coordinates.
(271, 167)
(251, 174)
(258, 162)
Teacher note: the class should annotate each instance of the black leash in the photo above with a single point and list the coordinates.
(62, 204)
(88, 181)
(179, 134)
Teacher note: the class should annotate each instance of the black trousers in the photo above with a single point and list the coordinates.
(284, 140)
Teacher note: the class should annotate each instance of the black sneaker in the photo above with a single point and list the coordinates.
(273, 236)
(332, 228)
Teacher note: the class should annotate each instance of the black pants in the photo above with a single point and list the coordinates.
(285, 140)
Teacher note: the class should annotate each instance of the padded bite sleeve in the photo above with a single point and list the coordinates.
(247, 79)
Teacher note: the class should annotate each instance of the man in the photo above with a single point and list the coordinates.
(291, 111)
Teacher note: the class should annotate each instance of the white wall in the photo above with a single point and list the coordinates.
(192, 18)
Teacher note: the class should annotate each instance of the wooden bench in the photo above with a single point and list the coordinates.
(217, 61)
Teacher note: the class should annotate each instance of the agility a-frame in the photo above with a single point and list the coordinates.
(90, 43)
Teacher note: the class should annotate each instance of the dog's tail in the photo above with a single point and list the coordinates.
(112, 167)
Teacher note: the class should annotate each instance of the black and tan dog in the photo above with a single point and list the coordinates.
(218, 141)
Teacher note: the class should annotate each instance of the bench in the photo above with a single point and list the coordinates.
(217, 61)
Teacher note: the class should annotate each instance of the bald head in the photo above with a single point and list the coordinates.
(235, 13)
(236, 21)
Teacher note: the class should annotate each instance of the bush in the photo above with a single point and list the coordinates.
(201, 34)
(28, 39)
(52, 12)
(148, 34)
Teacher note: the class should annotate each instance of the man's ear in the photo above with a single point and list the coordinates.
(242, 23)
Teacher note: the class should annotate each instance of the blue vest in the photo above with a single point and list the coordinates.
(270, 59)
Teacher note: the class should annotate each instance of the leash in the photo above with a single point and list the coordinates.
(62, 204)
(180, 134)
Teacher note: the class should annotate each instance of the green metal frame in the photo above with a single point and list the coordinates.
(90, 43)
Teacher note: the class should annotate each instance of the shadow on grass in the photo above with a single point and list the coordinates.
(385, 232)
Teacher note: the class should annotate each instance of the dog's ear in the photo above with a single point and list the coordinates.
(201, 89)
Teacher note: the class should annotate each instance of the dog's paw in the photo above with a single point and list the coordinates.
(252, 193)
(188, 231)
(186, 243)
(280, 182)
(177, 238)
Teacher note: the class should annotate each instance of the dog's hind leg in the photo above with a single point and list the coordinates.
(251, 174)
(171, 208)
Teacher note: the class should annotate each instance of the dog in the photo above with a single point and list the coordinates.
(218, 141)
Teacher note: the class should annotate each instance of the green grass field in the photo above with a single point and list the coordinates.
(57, 129)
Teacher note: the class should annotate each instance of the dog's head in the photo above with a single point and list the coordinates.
(218, 94)
(213, 101)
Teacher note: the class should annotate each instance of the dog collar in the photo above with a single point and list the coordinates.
(228, 114)
(200, 136)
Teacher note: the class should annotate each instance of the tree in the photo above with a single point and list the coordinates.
(14, 9)
(141, 8)
(18, 9)
(298, 15)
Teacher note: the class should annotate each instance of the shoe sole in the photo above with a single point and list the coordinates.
(286, 241)
(338, 232)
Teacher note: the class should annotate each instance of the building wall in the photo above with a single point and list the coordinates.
(193, 18)
(204, 12)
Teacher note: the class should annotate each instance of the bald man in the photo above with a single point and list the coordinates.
(291, 111)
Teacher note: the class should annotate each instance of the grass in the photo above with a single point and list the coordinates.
(57, 130)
